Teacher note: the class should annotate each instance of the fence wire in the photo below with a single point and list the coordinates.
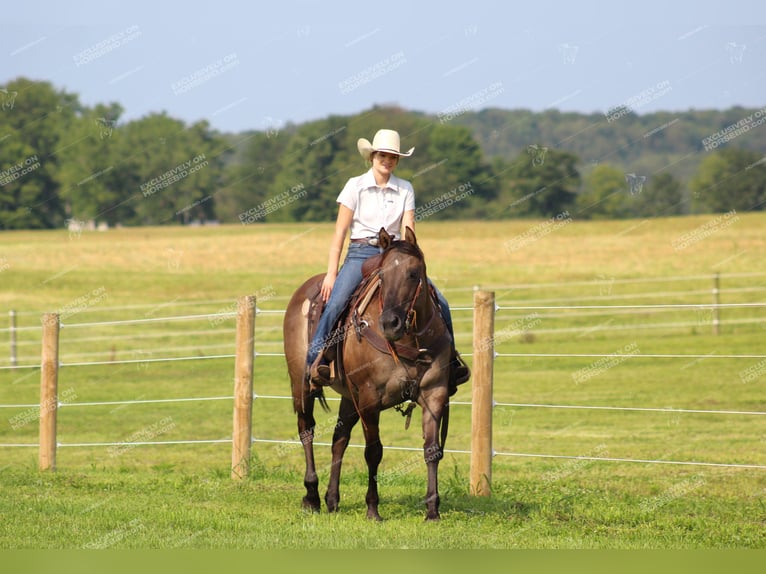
(537, 306)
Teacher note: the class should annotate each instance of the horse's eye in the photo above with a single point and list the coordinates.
(414, 275)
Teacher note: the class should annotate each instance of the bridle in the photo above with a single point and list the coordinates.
(410, 321)
(411, 316)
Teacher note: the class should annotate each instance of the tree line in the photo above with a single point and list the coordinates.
(63, 162)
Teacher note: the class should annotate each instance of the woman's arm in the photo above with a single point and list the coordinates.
(342, 225)
(408, 220)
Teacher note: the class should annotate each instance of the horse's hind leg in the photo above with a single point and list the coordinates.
(347, 418)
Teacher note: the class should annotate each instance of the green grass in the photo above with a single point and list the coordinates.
(181, 496)
(159, 507)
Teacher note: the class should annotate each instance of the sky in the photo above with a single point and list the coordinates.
(258, 66)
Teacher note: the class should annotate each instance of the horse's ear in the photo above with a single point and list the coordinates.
(409, 236)
(384, 239)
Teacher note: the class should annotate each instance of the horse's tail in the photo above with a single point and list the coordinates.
(319, 395)
(444, 426)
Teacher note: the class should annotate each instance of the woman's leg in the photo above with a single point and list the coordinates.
(445, 310)
(349, 277)
(460, 371)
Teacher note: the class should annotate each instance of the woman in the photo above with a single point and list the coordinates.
(368, 202)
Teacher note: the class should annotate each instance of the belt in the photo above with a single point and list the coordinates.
(366, 241)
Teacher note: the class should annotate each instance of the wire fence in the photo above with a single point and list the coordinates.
(571, 308)
(24, 350)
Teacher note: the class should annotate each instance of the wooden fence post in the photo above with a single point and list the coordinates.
(49, 380)
(481, 407)
(243, 388)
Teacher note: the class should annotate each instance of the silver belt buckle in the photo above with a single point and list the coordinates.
(373, 241)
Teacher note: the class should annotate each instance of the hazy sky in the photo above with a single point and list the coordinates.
(254, 65)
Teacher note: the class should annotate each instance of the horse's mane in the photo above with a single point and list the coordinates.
(407, 248)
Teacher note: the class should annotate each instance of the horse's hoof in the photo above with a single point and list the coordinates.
(374, 516)
(311, 505)
(332, 503)
(433, 518)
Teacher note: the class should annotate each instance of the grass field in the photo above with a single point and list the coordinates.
(122, 495)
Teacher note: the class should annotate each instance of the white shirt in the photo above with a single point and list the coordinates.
(374, 206)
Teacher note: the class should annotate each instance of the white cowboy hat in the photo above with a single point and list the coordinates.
(386, 141)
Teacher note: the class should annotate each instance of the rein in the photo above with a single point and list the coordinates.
(411, 316)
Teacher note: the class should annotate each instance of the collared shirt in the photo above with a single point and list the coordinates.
(374, 206)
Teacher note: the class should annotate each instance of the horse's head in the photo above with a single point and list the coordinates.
(402, 277)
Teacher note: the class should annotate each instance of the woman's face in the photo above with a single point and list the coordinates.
(384, 163)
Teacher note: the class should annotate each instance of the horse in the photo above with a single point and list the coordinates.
(385, 353)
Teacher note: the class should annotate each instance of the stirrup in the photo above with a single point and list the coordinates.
(462, 372)
(459, 373)
(320, 374)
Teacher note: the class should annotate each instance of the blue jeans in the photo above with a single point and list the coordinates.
(349, 277)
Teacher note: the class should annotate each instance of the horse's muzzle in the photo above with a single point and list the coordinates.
(393, 324)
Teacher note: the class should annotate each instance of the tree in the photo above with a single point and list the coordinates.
(313, 170)
(539, 182)
(169, 172)
(605, 195)
(33, 120)
(62, 160)
(455, 181)
(251, 177)
(660, 196)
(729, 179)
(89, 182)
(20, 188)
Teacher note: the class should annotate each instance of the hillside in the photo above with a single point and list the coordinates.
(84, 164)
(645, 143)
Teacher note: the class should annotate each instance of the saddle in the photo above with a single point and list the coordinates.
(355, 308)
(357, 304)
(316, 305)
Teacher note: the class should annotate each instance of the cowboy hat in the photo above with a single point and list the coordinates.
(385, 140)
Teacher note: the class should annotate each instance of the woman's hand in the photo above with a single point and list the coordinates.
(327, 284)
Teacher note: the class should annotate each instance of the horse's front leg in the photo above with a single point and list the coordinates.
(347, 417)
(433, 411)
(373, 454)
